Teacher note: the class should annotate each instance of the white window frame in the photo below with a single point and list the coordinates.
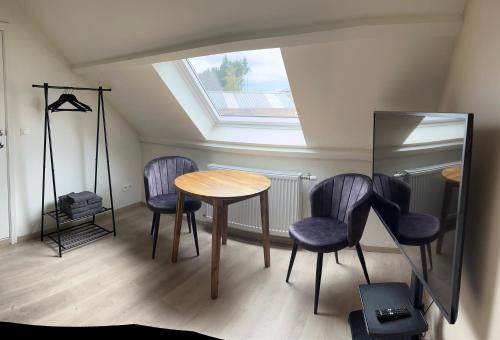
(187, 72)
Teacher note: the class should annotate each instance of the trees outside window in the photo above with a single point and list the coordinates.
(229, 76)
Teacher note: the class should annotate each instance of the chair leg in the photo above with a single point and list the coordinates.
(429, 254)
(153, 223)
(292, 259)
(337, 257)
(439, 245)
(319, 268)
(188, 217)
(155, 238)
(424, 261)
(195, 233)
(363, 264)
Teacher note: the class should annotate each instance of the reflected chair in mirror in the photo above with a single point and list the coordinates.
(391, 199)
(161, 193)
(339, 210)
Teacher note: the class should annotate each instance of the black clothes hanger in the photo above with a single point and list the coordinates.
(71, 99)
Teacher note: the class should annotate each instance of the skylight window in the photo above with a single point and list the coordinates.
(236, 97)
(245, 83)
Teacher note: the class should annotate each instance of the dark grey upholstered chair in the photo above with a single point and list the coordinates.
(161, 194)
(339, 210)
(391, 200)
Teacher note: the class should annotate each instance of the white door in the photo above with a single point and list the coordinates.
(4, 193)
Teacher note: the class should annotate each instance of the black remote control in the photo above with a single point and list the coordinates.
(388, 314)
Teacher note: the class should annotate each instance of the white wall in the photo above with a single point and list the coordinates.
(375, 234)
(30, 58)
(473, 86)
(336, 86)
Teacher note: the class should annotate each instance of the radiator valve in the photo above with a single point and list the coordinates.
(308, 177)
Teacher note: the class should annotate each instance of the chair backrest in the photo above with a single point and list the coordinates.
(394, 190)
(346, 198)
(160, 174)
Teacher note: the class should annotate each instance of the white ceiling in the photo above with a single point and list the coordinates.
(336, 84)
(90, 30)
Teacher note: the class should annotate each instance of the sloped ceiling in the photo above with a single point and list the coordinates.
(146, 102)
(89, 30)
(336, 84)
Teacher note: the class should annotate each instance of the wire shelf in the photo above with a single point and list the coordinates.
(65, 218)
(79, 235)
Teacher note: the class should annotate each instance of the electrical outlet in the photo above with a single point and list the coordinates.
(126, 187)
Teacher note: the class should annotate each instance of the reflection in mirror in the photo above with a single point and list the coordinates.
(417, 162)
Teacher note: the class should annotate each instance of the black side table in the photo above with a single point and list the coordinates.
(364, 323)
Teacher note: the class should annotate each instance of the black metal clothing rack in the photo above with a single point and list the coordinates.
(85, 230)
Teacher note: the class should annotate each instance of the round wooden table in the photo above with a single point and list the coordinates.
(221, 188)
(452, 176)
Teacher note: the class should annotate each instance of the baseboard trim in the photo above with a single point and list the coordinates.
(279, 241)
(130, 206)
(233, 233)
(28, 237)
(36, 234)
(380, 249)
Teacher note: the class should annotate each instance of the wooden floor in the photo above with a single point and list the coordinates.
(114, 281)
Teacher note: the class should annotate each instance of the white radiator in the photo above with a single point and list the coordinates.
(427, 188)
(285, 202)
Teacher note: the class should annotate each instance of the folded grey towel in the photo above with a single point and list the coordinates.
(86, 213)
(64, 197)
(81, 196)
(69, 211)
(97, 199)
(63, 200)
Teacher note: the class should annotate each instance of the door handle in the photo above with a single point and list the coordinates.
(1, 132)
(2, 146)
